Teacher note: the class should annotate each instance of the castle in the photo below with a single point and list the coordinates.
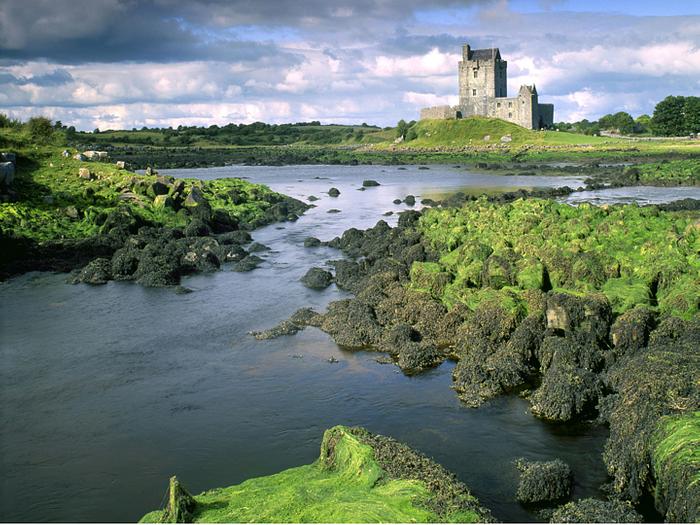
(482, 91)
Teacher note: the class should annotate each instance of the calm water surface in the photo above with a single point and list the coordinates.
(106, 391)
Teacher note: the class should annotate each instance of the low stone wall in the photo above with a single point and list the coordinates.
(438, 112)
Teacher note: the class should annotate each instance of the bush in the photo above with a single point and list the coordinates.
(40, 129)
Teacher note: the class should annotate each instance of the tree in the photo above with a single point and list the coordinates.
(40, 129)
(691, 112)
(411, 135)
(642, 124)
(668, 119)
(620, 121)
(401, 128)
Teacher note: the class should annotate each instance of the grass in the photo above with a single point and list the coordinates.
(684, 172)
(55, 203)
(635, 256)
(345, 485)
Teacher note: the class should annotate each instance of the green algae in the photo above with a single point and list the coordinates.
(676, 464)
(634, 255)
(346, 484)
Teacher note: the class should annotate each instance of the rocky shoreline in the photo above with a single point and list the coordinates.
(542, 324)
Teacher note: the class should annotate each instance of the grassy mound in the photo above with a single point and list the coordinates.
(358, 478)
(53, 201)
(476, 131)
(634, 256)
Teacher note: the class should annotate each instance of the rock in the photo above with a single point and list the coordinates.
(317, 279)
(506, 138)
(158, 188)
(197, 228)
(258, 247)
(351, 324)
(234, 237)
(72, 212)
(80, 157)
(333, 192)
(182, 290)
(95, 155)
(397, 201)
(333, 210)
(592, 510)
(85, 173)
(332, 360)
(388, 213)
(65, 153)
(163, 201)
(423, 168)
(180, 504)
(410, 200)
(247, 264)
(369, 183)
(631, 330)
(543, 481)
(312, 198)
(311, 242)
(487, 138)
(7, 173)
(150, 171)
(361, 188)
(120, 164)
(98, 271)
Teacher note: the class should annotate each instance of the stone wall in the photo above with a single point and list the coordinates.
(438, 112)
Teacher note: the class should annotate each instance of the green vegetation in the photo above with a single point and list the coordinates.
(346, 484)
(53, 201)
(676, 116)
(632, 255)
(676, 459)
(677, 172)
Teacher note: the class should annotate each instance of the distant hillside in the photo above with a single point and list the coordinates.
(478, 131)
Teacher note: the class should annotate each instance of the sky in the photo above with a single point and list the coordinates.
(120, 64)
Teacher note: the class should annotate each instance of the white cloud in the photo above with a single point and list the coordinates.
(431, 63)
(429, 99)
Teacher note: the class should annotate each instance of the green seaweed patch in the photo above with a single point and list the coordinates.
(634, 255)
(676, 463)
(346, 484)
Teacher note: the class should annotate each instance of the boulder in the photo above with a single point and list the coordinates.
(333, 192)
(80, 157)
(195, 197)
(506, 138)
(592, 510)
(95, 155)
(158, 188)
(121, 164)
(311, 242)
(163, 201)
(247, 264)
(410, 200)
(312, 198)
(543, 481)
(397, 201)
(369, 183)
(317, 279)
(98, 271)
(85, 173)
(258, 247)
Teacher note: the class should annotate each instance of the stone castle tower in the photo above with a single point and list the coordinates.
(483, 78)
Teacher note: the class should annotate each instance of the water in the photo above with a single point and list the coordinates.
(107, 391)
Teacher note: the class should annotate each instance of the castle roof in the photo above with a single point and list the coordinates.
(485, 54)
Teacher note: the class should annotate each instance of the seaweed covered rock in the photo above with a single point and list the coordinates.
(98, 271)
(543, 481)
(405, 344)
(352, 324)
(180, 506)
(592, 510)
(661, 380)
(247, 264)
(631, 330)
(317, 279)
(359, 477)
(676, 466)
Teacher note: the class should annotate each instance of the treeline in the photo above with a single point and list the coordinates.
(255, 134)
(673, 117)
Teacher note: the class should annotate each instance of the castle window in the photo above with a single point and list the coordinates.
(476, 73)
(474, 92)
(498, 104)
(510, 115)
(510, 104)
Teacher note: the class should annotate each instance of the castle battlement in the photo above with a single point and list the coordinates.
(483, 91)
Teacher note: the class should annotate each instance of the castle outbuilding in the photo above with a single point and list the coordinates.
(483, 91)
